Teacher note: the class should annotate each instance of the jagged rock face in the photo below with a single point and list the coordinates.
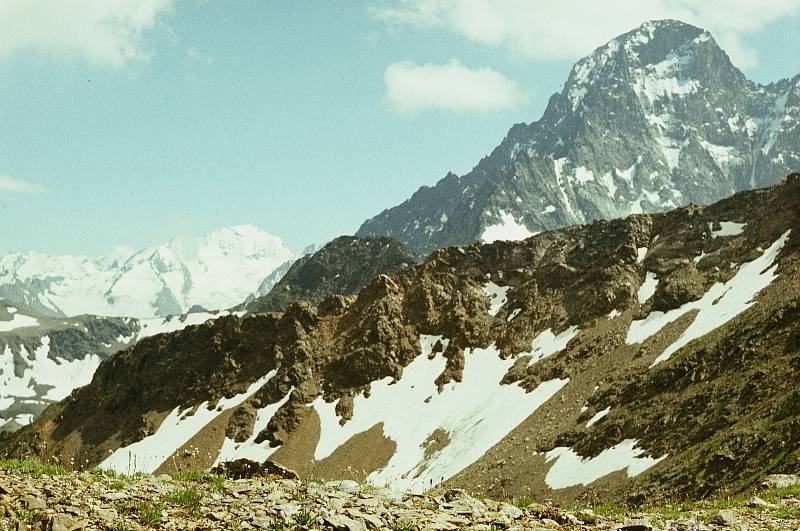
(341, 267)
(43, 358)
(644, 355)
(656, 118)
(214, 272)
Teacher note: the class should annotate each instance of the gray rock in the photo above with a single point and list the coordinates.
(755, 501)
(511, 511)
(781, 481)
(34, 503)
(725, 517)
(344, 523)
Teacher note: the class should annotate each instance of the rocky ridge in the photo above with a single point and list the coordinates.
(341, 267)
(633, 359)
(657, 118)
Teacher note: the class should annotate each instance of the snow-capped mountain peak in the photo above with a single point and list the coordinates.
(656, 118)
(215, 271)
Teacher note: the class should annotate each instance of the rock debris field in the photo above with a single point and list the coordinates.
(41, 497)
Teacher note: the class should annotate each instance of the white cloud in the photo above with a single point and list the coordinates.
(19, 186)
(569, 29)
(102, 31)
(412, 87)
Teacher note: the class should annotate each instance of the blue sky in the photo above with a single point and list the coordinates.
(130, 122)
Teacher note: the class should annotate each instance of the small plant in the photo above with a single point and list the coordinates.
(121, 526)
(303, 518)
(404, 526)
(187, 498)
(117, 485)
(189, 475)
(149, 513)
(523, 501)
(105, 473)
(216, 483)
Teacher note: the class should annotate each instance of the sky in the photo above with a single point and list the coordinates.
(129, 122)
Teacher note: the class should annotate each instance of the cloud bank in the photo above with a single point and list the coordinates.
(107, 32)
(19, 186)
(570, 29)
(412, 87)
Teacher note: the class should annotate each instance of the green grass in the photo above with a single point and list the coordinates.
(787, 513)
(149, 513)
(609, 510)
(780, 494)
(186, 498)
(32, 467)
(404, 526)
(213, 480)
(523, 501)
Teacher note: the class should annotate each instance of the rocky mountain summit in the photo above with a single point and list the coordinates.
(341, 267)
(214, 272)
(657, 118)
(632, 359)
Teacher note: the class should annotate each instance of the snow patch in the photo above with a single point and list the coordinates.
(149, 453)
(476, 414)
(18, 321)
(648, 287)
(508, 229)
(597, 416)
(546, 343)
(62, 376)
(497, 296)
(570, 469)
(727, 228)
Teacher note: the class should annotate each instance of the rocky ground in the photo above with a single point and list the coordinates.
(37, 496)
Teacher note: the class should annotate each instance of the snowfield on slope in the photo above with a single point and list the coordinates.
(720, 304)
(176, 430)
(476, 414)
(38, 369)
(17, 321)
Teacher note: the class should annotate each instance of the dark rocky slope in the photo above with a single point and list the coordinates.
(715, 416)
(342, 267)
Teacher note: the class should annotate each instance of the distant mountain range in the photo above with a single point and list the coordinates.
(44, 358)
(214, 272)
(654, 119)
